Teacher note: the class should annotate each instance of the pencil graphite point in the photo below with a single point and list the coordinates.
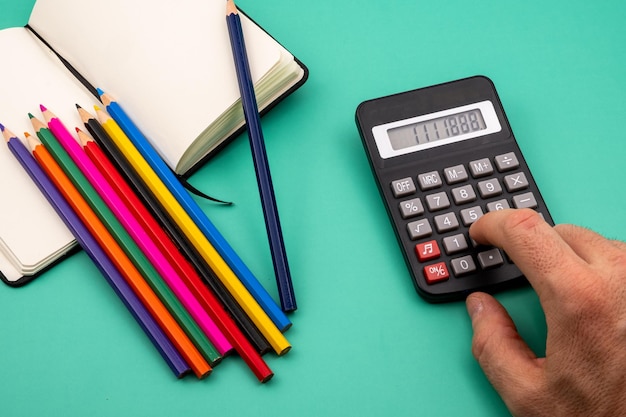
(1, 127)
(82, 137)
(32, 141)
(7, 133)
(100, 92)
(42, 107)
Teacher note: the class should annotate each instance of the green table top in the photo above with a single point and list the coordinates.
(364, 343)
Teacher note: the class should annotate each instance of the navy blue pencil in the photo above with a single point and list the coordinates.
(176, 363)
(259, 156)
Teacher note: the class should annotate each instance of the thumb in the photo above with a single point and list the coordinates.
(507, 361)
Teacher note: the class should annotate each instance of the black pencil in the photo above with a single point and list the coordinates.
(231, 306)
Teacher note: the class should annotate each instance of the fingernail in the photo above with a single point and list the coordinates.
(474, 306)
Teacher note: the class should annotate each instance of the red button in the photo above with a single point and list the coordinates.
(436, 273)
(427, 251)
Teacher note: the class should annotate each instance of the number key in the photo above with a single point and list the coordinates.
(463, 265)
(437, 201)
(463, 194)
(455, 243)
(489, 188)
(446, 222)
(470, 215)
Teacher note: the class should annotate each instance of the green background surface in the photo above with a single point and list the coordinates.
(364, 343)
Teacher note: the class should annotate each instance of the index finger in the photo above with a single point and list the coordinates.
(535, 247)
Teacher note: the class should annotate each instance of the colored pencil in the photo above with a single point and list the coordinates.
(176, 335)
(133, 227)
(178, 238)
(273, 335)
(126, 242)
(160, 340)
(259, 156)
(194, 212)
(209, 302)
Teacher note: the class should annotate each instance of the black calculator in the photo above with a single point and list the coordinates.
(443, 156)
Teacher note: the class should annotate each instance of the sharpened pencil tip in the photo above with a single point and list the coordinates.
(1, 127)
(78, 106)
(42, 107)
(32, 142)
(31, 116)
(230, 7)
(100, 92)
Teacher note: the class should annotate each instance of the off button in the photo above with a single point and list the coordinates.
(402, 187)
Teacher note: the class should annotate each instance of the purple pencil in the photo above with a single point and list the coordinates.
(176, 363)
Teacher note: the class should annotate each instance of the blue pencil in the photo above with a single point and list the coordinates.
(259, 156)
(157, 164)
(176, 363)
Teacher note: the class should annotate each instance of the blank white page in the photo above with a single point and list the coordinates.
(31, 76)
(169, 64)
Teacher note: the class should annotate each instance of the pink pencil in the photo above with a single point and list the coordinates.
(134, 228)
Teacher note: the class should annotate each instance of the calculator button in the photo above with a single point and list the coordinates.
(481, 168)
(489, 188)
(402, 187)
(516, 182)
(526, 200)
(427, 251)
(411, 208)
(498, 205)
(463, 265)
(490, 258)
(455, 174)
(506, 162)
(455, 243)
(470, 215)
(463, 194)
(437, 201)
(446, 222)
(419, 229)
(429, 180)
(436, 273)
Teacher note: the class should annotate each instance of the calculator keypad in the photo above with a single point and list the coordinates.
(438, 219)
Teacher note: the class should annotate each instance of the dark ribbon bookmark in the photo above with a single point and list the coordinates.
(199, 193)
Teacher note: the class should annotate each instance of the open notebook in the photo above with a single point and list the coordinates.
(169, 65)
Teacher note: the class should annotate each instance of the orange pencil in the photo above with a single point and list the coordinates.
(186, 348)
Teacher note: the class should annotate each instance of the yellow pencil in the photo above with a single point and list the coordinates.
(265, 325)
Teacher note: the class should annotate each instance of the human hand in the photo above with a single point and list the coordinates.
(580, 278)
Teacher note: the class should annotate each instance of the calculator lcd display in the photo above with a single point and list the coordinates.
(436, 129)
(425, 131)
